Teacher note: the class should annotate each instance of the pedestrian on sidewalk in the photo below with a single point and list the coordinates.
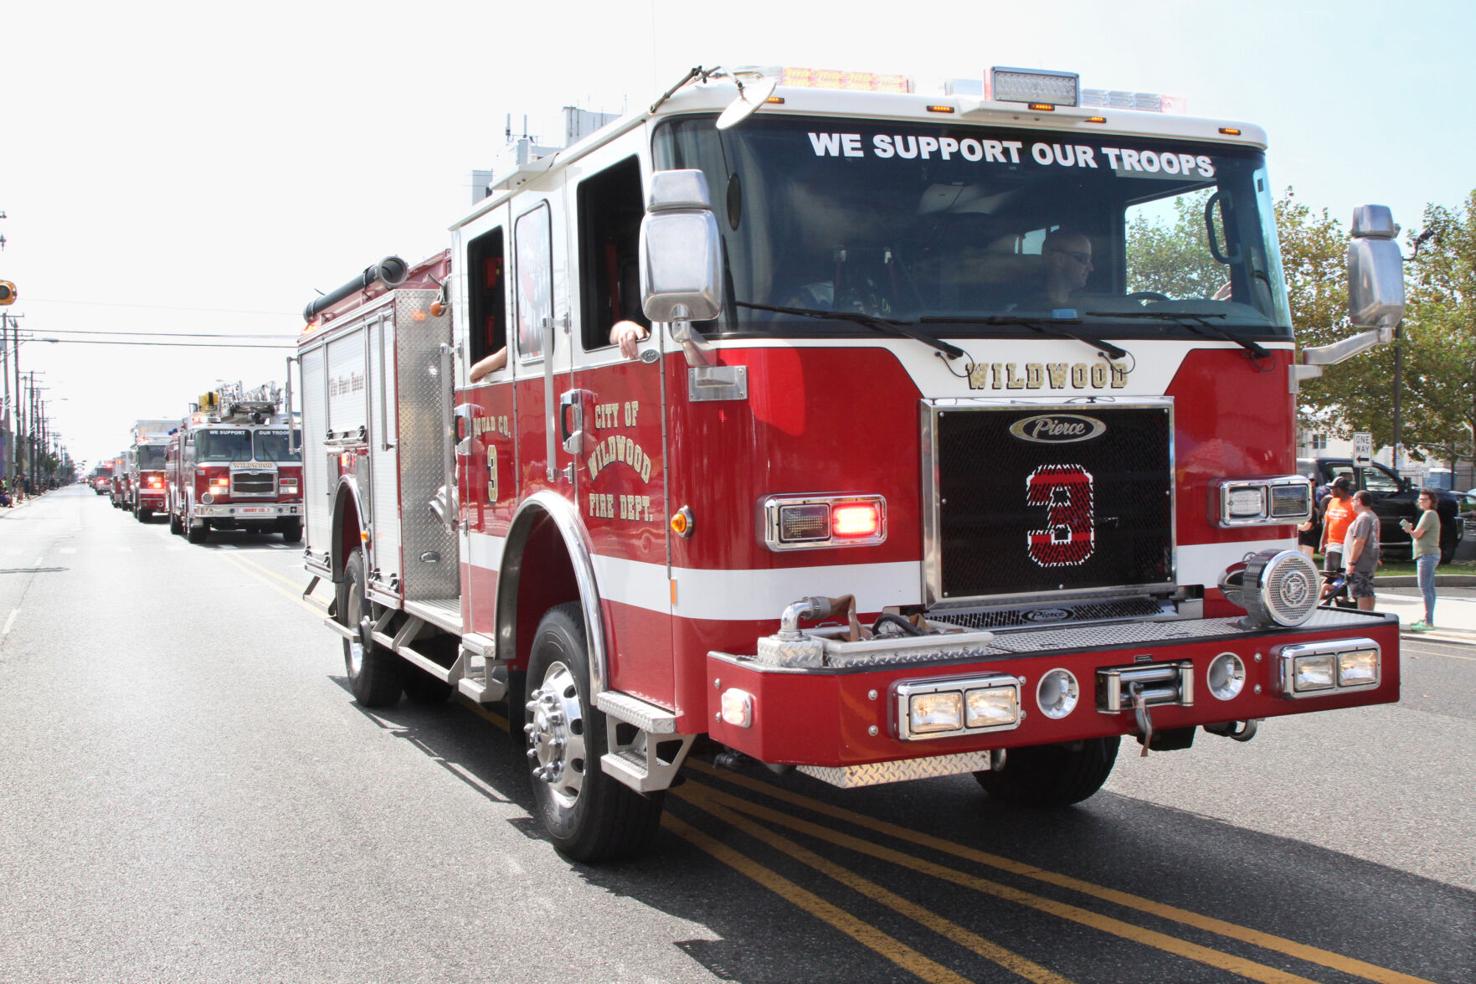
(1337, 516)
(1361, 550)
(1425, 537)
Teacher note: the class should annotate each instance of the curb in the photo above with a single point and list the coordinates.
(1411, 581)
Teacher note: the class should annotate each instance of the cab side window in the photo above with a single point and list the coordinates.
(487, 325)
(610, 213)
(534, 249)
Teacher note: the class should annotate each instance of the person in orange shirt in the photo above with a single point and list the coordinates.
(1337, 516)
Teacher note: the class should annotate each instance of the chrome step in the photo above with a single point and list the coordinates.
(632, 710)
(636, 732)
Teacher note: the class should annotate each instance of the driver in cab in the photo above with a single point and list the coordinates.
(1067, 258)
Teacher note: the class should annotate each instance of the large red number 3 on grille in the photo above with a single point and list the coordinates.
(1069, 536)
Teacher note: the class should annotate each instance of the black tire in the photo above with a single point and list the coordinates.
(175, 526)
(197, 534)
(1052, 775)
(420, 686)
(603, 819)
(291, 531)
(141, 514)
(375, 677)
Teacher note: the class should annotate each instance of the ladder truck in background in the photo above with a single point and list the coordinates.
(232, 465)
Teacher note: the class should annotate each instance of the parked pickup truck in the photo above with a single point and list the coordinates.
(1393, 500)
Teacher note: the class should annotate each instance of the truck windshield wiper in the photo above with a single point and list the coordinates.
(1045, 326)
(1202, 324)
(887, 326)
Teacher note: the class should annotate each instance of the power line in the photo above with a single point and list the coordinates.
(157, 307)
(105, 341)
(170, 334)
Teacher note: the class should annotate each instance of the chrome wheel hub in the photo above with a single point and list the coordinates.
(555, 730)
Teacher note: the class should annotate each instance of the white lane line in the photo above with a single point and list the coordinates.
(10, 622)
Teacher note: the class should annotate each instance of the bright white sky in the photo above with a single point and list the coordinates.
(203, 167)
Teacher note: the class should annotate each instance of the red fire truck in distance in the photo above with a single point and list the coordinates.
(232, 465)
(118, 483)
(146, 474)
(909, 465)
(102, 478)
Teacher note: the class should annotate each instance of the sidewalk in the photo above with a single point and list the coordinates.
(1455, 611)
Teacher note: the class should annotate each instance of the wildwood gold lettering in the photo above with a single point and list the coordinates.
(618, 447)
(1047, 375)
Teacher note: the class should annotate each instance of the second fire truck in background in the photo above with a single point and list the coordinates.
(146, 475)
(232, 466)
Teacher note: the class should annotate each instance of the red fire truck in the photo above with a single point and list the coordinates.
(118, 483)
(911, 460)
(146, 474)
(102, 478)
(232, 465)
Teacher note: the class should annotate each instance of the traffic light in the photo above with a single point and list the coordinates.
(7, 292)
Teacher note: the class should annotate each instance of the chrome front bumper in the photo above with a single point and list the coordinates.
(249, 510)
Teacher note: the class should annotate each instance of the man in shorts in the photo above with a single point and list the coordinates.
(1361, 551)
(1337, 516)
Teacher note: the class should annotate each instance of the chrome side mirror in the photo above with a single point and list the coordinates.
(681, 250)
(1375, 292)
(1375, 270)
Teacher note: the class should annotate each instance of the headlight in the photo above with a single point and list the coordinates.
(949, 707)
(288, 486)
(1314, 673)
(1265, 501)
(1056, 693)
(1359, 668)
(1335, 666)
(206, 499)
(930, 713)
(1226, 676)
(992, 707)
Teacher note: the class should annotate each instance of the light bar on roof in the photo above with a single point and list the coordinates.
(1143, 102)
(1032, 85)
(826, 78)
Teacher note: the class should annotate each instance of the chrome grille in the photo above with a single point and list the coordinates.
(254, 483)
(1037, 616)
(1025, 498)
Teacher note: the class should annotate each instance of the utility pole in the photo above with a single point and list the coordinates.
(6, 471)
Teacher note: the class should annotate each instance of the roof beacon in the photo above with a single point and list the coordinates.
(1032, 85)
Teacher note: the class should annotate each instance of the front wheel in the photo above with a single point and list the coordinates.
(588, 815)
(291, 530)
(373, 671)
(197, 534)
(1052, 775)
(141, 514)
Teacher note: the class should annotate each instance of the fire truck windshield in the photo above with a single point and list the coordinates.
(272, 445)
(223, 445)
(923, 224)
(150, 457)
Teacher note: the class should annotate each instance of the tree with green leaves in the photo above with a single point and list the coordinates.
(1438, 342)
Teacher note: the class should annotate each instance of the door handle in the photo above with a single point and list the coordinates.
(571, 404)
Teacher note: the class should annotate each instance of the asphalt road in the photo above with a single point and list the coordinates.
(187, 792)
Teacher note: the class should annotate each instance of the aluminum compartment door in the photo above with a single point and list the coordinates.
(346, 406)
(431, 556)
(317, 489)
(384, 454)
